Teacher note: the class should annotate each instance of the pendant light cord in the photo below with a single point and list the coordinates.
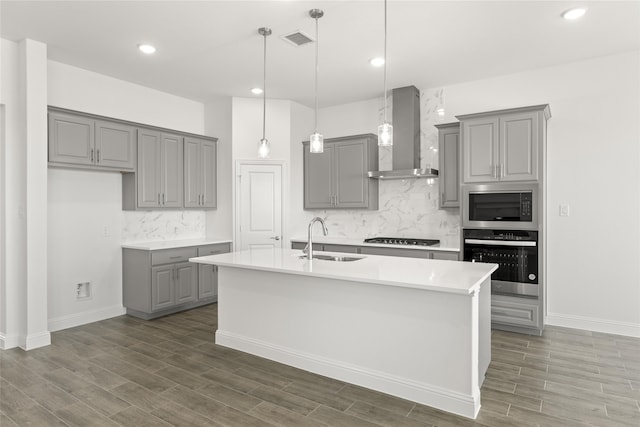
(316, 83)
(264, 88)
(385, 61)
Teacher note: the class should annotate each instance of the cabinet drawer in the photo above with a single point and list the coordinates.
(409, 253)
(513, 313)
(341, 248)
(218, 248)
(449, 256)
(169, 256)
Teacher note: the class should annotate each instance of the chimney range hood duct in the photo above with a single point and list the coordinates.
(406, 137)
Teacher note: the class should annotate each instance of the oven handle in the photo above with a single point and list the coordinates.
(498, 242)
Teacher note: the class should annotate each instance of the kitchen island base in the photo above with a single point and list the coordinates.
(426, 346)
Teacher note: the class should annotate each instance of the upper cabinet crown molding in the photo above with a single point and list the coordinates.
(504, 145)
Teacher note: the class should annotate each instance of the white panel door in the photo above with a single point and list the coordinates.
(260, 206)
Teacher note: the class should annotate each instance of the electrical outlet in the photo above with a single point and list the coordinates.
(83, 291)
(564, 210)
(106, 232)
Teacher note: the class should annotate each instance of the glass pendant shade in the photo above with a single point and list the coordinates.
(316, 143)
(263, 148)
(385, 135)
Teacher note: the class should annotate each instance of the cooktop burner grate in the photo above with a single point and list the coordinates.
(402, 241)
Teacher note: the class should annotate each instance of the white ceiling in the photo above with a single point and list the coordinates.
(211, 48)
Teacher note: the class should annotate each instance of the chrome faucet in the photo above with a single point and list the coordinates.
(309, 248)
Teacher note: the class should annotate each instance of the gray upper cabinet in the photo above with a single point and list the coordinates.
(79, 141)
(337, 178)
(200, 176)
(503, 145)
(449, 156)
(159, 176)
(115, 145)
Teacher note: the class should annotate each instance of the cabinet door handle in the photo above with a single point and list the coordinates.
(98, 156)
(163, 200)
(92, 155)
(175, 257)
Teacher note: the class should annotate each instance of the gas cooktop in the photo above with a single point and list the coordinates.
(402, 241)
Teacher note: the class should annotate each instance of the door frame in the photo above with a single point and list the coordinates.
(284, 197)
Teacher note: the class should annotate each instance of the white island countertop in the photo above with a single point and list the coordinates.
(448, 244)
(173, 244)
(433, 275)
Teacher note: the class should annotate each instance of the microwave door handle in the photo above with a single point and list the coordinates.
(498, 242)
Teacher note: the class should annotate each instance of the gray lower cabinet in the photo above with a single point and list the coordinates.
(516, 314)
(160, 282)
(208, 274)
(79, 141)
(449, 155)
(373, 250)
(337, 178)
(157, 183)
(200, 177)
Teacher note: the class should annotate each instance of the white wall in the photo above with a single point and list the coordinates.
(593, 165)
(83, 204)
(302, 121)
(219, 222)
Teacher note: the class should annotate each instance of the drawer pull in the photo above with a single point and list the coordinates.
(175, 257)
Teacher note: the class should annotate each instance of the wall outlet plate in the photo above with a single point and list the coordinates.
(564, 210)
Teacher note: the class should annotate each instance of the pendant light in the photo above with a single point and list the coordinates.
(385, 130)
(263, 147)
(316, 140)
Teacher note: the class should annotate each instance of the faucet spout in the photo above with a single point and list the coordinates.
(309, 248)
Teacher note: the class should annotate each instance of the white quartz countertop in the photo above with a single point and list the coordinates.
(451, 244)
(433, 275)
(172, 244)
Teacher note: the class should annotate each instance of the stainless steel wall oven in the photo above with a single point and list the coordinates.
(516, 253)
(505, 206)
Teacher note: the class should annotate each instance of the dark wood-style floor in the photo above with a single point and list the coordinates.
(125, 371)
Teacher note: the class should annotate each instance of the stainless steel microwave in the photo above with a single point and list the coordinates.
(500, 206)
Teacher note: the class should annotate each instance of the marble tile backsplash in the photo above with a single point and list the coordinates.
(149, 226)
(407, 208)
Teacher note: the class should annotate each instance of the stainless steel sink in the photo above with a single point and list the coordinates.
(339, 258)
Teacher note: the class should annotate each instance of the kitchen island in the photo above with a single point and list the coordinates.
(414, 328)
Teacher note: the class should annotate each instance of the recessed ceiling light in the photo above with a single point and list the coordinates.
(146, 48)
(377, 62)
(575, 13)
(256, 91)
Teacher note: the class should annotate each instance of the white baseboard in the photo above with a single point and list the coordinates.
(85, 317)
(7, 342)
(447, 400)
(37, 340)
(594, 324)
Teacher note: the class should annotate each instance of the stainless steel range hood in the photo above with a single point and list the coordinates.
(406, 137)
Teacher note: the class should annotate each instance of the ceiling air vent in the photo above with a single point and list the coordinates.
(297, 38)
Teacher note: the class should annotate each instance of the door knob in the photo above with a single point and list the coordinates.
(275, 238)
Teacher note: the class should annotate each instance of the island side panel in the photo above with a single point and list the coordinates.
(407, 342)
